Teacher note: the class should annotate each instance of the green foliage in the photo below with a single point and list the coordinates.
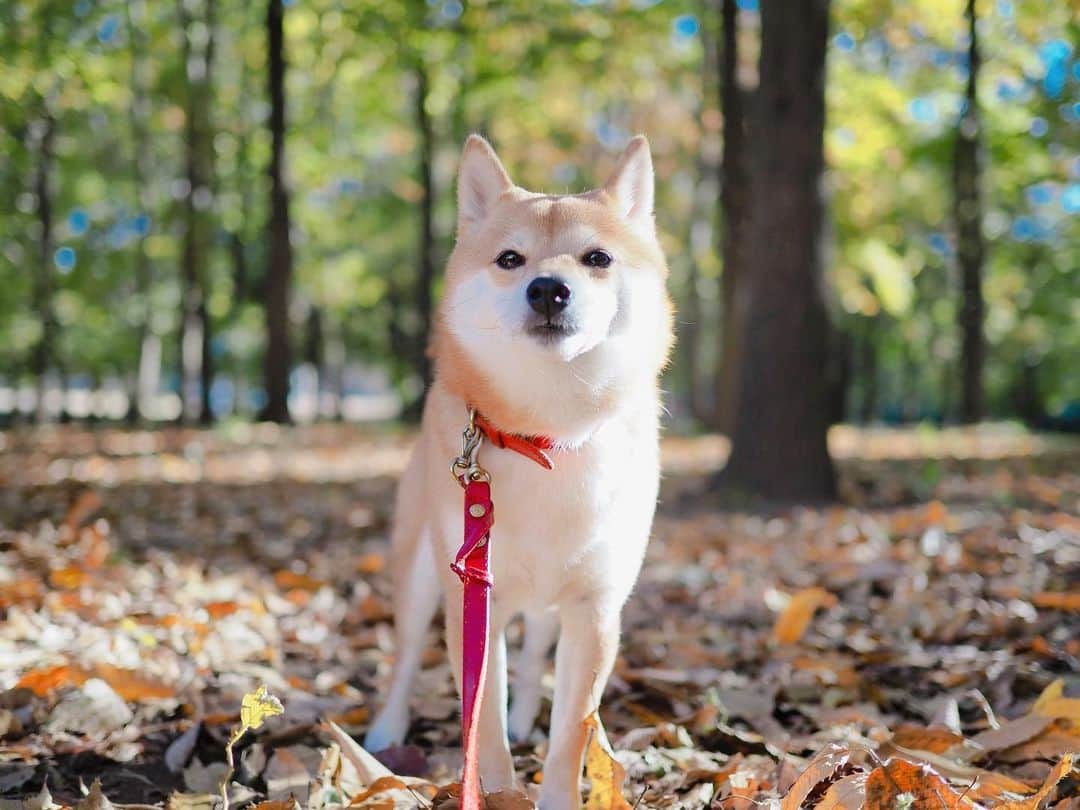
(558, 86)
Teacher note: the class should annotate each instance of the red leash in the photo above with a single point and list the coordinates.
(471, 566)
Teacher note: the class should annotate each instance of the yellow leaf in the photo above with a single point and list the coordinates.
(1034, 802)
(792, 624)
(604, 772)
(257, 706)
(1053, 703)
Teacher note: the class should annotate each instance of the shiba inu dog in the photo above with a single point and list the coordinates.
(555, 323)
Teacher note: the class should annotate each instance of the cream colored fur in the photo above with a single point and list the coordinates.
(568, 543)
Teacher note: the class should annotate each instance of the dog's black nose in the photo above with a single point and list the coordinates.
(548, 295)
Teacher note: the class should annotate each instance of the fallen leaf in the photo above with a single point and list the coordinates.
(95, 799)
(903, 784)
(1052, 600)
(179, 751)
(1011, 733)
(15, 777)
(848, 793)
(132, 686)
(204, 779)
(792, 623)
(286, 775)
(1052, 703)
(94, 710)
(380, 785)
(606, 775)
(44, 681)
(279, 804)
(932, 738)
(359, 769)
(822, 767)
(1060, 771)
(67, 578)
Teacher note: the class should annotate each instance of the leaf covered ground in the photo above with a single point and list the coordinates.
(916, 647)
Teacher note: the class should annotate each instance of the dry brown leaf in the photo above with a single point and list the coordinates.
(43, 681)
(95, 799)
(900, 783)
(823, 766)
(371, 564)
(606, 775)
(380, 785)
(1060, 737)
(848, 793)
(286, 776)
(1053, 703)
(792, 623)
(289, 580)
(359, 769)
(280, 804)
(931, 738)
(508, 800)
(1014, 732)
(132, 686)
(67, 578)
(1053, 600)
(1035, 802)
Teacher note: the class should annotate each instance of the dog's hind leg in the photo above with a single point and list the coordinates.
(541, 630)
(416, 598)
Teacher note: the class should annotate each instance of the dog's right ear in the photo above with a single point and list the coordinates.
(481, 180)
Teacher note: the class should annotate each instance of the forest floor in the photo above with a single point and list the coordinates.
(916, 647)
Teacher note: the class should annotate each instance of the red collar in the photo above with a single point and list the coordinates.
(531, 447)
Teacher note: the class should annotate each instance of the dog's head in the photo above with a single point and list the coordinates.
(556, 299)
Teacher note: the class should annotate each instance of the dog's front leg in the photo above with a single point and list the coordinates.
(583, 660)
(496, 763)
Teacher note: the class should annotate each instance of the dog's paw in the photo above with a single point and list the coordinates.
(389, 730)
(522, 717)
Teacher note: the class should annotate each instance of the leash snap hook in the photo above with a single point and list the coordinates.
(465, 468)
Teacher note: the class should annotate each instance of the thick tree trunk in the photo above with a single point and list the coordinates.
(779, 447)
(196, 360)
(734, 201)
(43, 358)
(967, 213)
(278, 283)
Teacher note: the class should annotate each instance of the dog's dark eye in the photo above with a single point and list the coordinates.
(509, 259)
(597, 258)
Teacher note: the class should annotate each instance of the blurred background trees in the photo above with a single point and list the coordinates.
(212, 209)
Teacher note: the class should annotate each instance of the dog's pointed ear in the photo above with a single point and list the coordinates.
(481, 180)
(631, 184)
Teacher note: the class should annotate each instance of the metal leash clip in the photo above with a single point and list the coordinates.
(465, 468)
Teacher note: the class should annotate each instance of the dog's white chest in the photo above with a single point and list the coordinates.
(577, 530)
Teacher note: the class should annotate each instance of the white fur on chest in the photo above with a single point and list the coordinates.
(574, 532)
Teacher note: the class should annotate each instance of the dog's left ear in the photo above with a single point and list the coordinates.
(631, 184)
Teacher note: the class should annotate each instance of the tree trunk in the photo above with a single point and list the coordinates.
(44, 354)
(280, 263)
(196, 360)
(425, 268)
(779, 449)
(734, 201)
(967, 214)
(140, 167)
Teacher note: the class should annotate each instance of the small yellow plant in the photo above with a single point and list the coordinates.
(255, 708)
